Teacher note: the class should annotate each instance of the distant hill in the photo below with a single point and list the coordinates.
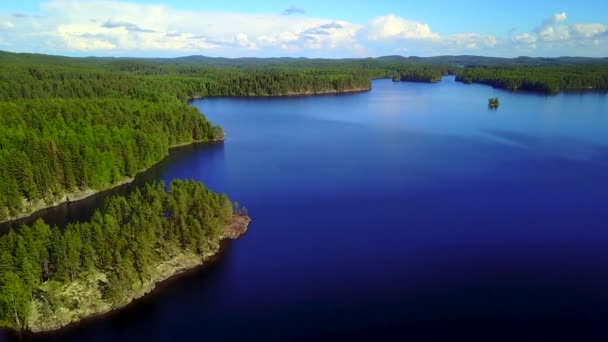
(469, 60)
(462, 60)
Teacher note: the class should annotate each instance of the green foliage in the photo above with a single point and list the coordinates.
(493, 102)
(546, 79)
(15, 297)
(54, 146)
(427, 74)
(70, 124)
(73, 124)
(123, 241)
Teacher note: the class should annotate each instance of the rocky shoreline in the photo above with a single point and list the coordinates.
(88, 301)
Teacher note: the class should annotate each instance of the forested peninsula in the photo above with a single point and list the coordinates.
(73, 126)
(50, 278)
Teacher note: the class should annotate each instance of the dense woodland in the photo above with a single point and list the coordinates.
(73, 124)
(50, 146)
(421, 74)
(547, 79)
(122, 241)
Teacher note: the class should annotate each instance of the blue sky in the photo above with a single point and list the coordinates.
(305, 28)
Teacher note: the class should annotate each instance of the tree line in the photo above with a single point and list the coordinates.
(421, 74)
(546, 79)
(123, 241)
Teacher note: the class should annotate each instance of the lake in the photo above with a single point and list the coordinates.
(410, 211)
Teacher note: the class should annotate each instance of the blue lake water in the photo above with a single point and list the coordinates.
(411, 210)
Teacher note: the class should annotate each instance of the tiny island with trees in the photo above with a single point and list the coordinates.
(71, 127)
(493, 102)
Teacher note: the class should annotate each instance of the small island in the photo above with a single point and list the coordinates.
(50, 278)
(493, 102)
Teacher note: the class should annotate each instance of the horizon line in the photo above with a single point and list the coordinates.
(298, 57)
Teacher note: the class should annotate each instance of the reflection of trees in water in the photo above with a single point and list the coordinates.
(83, 210)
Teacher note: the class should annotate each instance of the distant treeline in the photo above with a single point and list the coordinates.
(422, 74)
(119, 246)
(547, 79)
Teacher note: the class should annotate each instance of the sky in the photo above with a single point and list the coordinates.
(315, 28)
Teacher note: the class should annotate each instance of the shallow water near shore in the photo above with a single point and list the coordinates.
(411, 211)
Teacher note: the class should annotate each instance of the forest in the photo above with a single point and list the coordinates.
(70, 125)
(421, 74)
(546, 79)
(52, 146)
(75, 124)
(120, 247)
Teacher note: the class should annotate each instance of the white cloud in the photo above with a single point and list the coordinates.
(6, 25)
(471, 41)
(108, 27)
(392, 27)
(587, 31)
(243, 41)
(115, 27)
(525, 38)
(554, 34)
(554, 19)
(408, 34)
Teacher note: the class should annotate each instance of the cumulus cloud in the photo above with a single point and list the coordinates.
(554, 33)
(404, 34)
(293, 10)
(114, 27)
(554, 19)
(526, 39)
(392, 27)
(587, 31)
(469, 41)
(331, 35)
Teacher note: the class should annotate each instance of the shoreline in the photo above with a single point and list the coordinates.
(190, 262)
(324, 92)
(290, 94)
(77, 196)
(490, 83)
(86, 193)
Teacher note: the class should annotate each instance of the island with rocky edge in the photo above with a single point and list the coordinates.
(50, 278)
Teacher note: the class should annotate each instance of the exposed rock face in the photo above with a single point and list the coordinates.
(238, 227)
(87, 300)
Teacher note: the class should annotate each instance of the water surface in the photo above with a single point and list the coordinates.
(411, 210)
